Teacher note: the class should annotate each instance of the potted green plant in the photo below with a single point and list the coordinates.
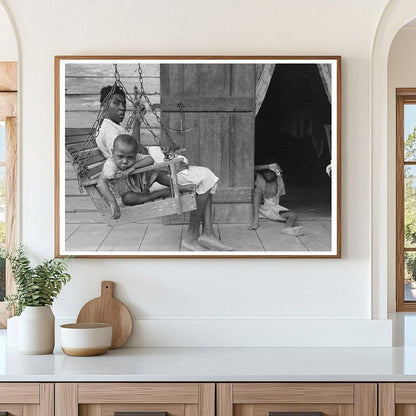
(36, 289)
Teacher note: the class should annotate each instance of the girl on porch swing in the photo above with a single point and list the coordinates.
(203, 179)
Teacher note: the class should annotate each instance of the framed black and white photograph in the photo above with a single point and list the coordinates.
(198, 156)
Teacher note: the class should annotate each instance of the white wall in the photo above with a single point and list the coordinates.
(401, 74)
(215, 301)
(8, 47)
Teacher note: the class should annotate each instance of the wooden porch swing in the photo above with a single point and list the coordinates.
(88, 161)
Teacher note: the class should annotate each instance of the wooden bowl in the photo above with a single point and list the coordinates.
(84, 340)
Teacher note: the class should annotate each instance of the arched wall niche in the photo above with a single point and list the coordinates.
(396, 15)
(401, 74)
(9, 43)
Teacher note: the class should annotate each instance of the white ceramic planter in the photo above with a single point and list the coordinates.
(37, 330)
(12, 334)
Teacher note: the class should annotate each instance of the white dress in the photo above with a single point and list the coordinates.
(203, 178)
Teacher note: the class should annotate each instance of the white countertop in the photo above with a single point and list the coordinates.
(215, 364)
(222, 364)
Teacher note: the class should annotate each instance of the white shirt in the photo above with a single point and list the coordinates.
(106, 136)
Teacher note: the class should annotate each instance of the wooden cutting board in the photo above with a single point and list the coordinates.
(108, 310)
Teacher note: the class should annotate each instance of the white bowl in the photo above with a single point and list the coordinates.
(83, 340)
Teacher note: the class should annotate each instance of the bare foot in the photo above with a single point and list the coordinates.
(295, 231)
(211, 242)
(191, 246)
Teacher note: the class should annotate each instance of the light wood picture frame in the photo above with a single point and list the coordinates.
(261, 137)
(8, 117)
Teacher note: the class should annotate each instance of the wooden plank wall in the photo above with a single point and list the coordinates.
(218, 108)
(83, 82)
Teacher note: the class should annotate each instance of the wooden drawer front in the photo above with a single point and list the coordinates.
(331, 399)
(138, 393)
(405, 393)
(104, 399)
(19, 393)
(293, 393)
(27, 399)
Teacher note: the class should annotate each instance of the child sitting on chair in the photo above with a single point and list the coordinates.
(268, 188)
(114, 176)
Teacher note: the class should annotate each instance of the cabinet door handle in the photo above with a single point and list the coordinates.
(295, 413)
(139, 414)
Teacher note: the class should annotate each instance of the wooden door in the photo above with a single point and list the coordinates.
(218, 107)
(297, 399)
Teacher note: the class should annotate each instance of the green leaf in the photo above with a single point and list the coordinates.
(35, 286)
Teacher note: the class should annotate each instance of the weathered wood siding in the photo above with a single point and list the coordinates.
(218, 108)
(218, 102)
(83, 83)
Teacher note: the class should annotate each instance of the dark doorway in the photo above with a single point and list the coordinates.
(290, 129)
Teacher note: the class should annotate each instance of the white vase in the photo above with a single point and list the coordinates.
(12, 334)
(37, 330)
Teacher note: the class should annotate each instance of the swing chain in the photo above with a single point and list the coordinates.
(133, 115)
(80, 158)
(120, 84)
(116, 74)
(137, 107)
(172, 145)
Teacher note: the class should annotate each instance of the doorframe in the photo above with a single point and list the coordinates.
(403, 96)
